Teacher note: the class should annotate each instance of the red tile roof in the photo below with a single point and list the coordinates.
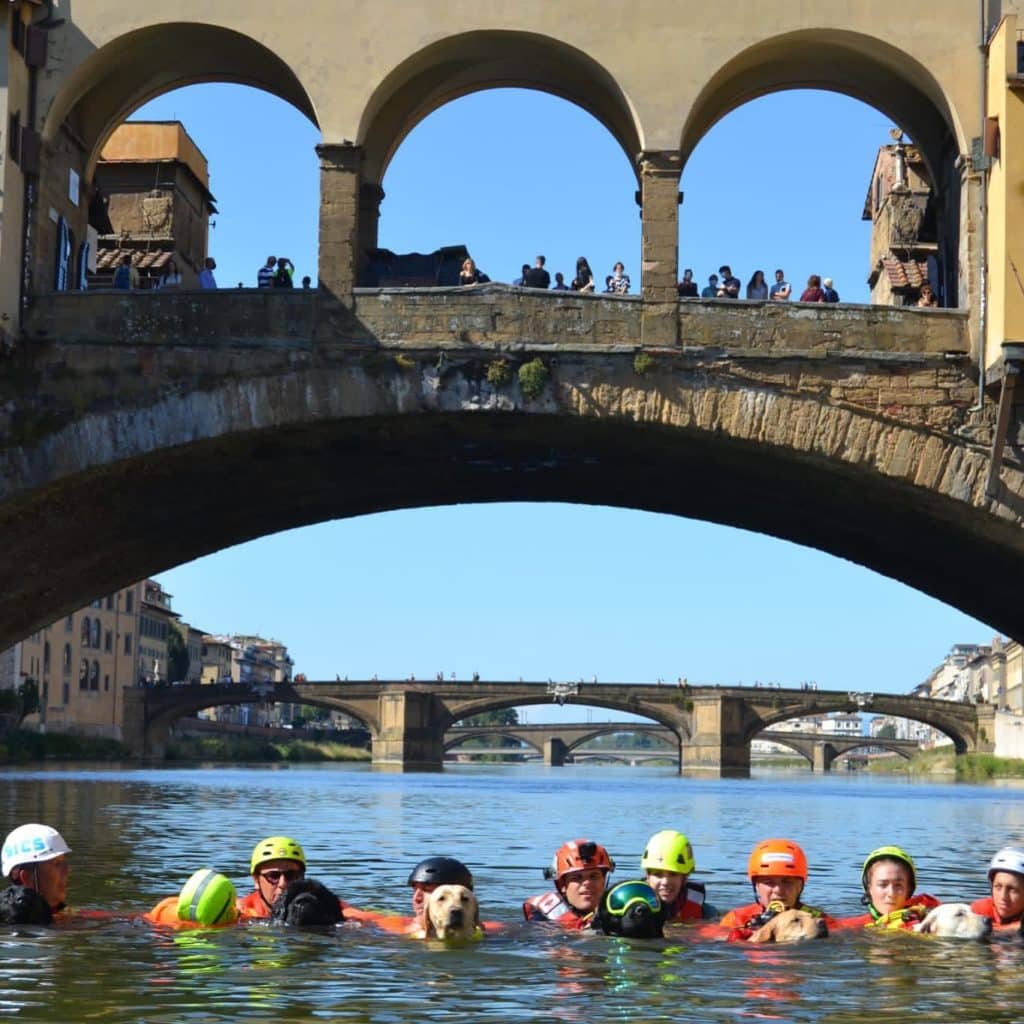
(905, 273)
(108, 259)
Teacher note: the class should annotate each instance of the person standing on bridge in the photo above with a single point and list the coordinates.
(668, 861)
(580, 870)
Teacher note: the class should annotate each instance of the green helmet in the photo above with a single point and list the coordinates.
(276, 848)
(668, 851)
(889, 853)
(207, 898)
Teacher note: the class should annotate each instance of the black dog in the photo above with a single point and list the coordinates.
(20, 905)
(638, 921)
(306, 902)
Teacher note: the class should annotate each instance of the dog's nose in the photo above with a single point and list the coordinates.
(822, 929)
(455, 918)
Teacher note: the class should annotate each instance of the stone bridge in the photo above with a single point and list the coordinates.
(408, 721)
(557, 742)
(847, 428)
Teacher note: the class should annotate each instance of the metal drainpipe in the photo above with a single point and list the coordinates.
(983, 215)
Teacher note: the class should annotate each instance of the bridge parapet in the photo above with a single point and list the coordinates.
(489, 315)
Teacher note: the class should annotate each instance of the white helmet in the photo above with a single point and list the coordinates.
(31, 844)
(1009, 858)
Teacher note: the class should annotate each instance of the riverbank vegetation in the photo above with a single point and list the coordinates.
(20, 746)
(942, 761)
(250, 748)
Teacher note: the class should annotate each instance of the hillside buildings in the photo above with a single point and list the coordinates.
(81, 664)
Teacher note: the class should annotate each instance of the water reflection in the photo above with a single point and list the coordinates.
(136, 836)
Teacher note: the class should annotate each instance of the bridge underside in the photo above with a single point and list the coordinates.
(188, 498)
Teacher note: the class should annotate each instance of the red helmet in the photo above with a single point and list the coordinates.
(777, 857)
(579, 855)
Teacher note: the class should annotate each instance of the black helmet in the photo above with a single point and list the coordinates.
(441, 871)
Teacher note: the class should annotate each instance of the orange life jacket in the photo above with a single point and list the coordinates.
(688, 905)
(739, 923)
(255, 907)
(915, 911)
(551, 906)
(987, 909)
(165, 913)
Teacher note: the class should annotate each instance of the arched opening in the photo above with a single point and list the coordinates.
(817, 157)
(521, 180)
(160, 176)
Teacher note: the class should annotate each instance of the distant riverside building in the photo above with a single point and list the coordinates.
(246, 660)
(904, 238)
(154, 204)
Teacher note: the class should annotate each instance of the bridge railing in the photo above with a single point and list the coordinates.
(484, 315)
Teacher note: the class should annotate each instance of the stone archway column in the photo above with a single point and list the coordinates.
(340, 204)
(717, 746)
(659, 200)
(411, 736)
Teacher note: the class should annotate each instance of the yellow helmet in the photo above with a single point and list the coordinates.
(668, 851)
(276, 848)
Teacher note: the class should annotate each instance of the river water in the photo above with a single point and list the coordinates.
(136, 836)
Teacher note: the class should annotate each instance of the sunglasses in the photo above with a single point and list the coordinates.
(627, 894)
(273, 876)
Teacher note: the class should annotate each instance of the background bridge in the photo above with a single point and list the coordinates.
(408, 721)
(559, 742)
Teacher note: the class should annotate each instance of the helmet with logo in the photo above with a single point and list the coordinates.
(895, 853)
(579, 855)
(1009, 858)
(441, 871)
(31, 844)
(668, 851)
(207, 898)
(276, 848)
(773, 857)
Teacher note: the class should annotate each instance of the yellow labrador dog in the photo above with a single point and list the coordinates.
(451, 912)
(791, 926)
(954, 921)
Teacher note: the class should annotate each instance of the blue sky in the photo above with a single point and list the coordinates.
(560, 591)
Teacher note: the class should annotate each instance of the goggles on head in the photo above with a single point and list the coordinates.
(621, 897)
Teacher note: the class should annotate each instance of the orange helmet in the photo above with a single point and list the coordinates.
(777, 857)
(579, 855)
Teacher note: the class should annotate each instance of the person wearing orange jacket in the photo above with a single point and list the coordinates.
(207, 900)
(1004, 906)
(580, 870)
(777, 870)
(276, 862)
(889, 878)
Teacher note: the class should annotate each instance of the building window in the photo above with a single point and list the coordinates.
(106, 683)
(69, 624)
(66, 661)
(86, 631)
(65, 693)
(108, 641)
(94, 676)
(127, 643)
(83, 675)
(98, 603)
(96, 633)
(46, 656)
(129, 601)
(110, 602)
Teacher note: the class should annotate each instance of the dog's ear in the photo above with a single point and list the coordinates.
(927, 926)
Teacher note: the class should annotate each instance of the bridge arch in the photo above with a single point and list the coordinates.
(871, 743)
(489, 731)
(875, 72)
(135, 67)
(796, 746)
(636, 728)
(473, 61)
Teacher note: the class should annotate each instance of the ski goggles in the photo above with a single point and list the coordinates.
(621, 897)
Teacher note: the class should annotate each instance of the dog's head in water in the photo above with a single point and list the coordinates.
(631, 909)
(306, 903)
(21, 905)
